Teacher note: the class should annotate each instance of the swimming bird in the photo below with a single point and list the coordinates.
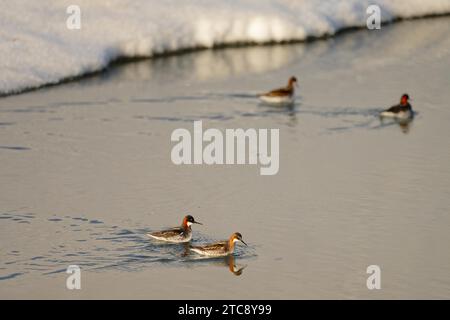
(219, 249)
(403, 110)
(284, 95)
(177, 234)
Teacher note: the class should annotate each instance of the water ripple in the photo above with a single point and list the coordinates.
(94, 245)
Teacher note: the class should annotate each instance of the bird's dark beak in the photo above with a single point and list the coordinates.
(198, 223)
(243, 242)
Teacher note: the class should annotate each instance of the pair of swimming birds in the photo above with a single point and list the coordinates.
(286, 95)
(184, 234)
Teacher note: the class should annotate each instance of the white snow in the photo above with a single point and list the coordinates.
(37, 48)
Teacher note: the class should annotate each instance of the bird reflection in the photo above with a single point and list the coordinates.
(186, 252)
(288, 109)
(404, 124)
(228, 261)
(233, 267)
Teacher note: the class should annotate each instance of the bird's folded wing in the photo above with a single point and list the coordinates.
(214, 246)
(394, 109)
(278, 92)
(168, 233)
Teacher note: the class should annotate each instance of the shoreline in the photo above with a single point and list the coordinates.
(121, 60)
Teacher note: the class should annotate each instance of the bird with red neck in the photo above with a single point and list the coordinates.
(403, 110)
(179, 234)
(219, 249)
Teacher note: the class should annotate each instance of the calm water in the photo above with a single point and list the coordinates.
(85, 172)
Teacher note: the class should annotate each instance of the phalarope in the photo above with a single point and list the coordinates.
(403, 110)
(219, 249)
(284, 95)
(177, 234)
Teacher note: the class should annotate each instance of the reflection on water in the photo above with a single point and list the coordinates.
(287, 110)
(212, 64)
(380, 48)
(404, 124)
(233, 267)
(229, 261)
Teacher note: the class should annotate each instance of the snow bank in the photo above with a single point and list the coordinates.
(36, 47)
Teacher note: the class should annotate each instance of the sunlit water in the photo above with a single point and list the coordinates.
(85, 173)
